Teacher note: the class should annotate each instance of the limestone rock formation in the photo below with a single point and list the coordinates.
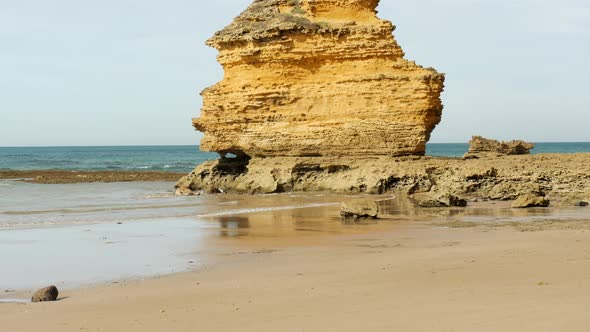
(483, 147)
(317, 96)
(317, 78)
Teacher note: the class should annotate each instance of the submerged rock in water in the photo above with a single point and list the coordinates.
(483, 147)
(47, 294)
(185, 192)
(359, 209)
(530, 200)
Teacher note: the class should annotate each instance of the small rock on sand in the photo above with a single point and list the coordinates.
(530, 200)
(47, 294)
(359, 209)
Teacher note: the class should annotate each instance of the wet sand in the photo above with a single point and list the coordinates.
(65, 177)
(304, 271)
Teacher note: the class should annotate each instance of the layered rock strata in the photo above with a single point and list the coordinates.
(321, 78)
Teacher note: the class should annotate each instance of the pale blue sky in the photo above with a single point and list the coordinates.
(128, 72)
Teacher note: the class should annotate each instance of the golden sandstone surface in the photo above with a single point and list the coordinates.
(317, 78)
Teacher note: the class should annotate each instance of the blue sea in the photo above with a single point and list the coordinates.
(107, 158)
(176, 158)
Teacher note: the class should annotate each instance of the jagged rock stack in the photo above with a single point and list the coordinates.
(306, 82)
(482, 147)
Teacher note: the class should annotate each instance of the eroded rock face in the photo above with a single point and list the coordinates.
(482, 147)
(317, 78)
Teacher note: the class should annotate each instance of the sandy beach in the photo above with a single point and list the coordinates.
(395, 275)
(294, 166)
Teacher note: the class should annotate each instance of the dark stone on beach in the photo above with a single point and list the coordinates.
(47, 294)
(530, 200)
(582, 204)
(453, 201)
(359, 209)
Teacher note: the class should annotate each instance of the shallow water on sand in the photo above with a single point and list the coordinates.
(26, 205)
(80, 234)
(73, 256)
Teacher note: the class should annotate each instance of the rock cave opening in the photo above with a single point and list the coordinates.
(233, 162)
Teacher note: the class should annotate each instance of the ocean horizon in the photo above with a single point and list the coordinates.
(180, 158)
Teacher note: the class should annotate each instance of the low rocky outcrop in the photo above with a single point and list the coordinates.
(47, 294)
(359, 209)
(573, 199)
(530, 200)
(480, 147)
(564, 178)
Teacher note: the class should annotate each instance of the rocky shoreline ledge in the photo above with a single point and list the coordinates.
(68, 177)
(563, 178)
